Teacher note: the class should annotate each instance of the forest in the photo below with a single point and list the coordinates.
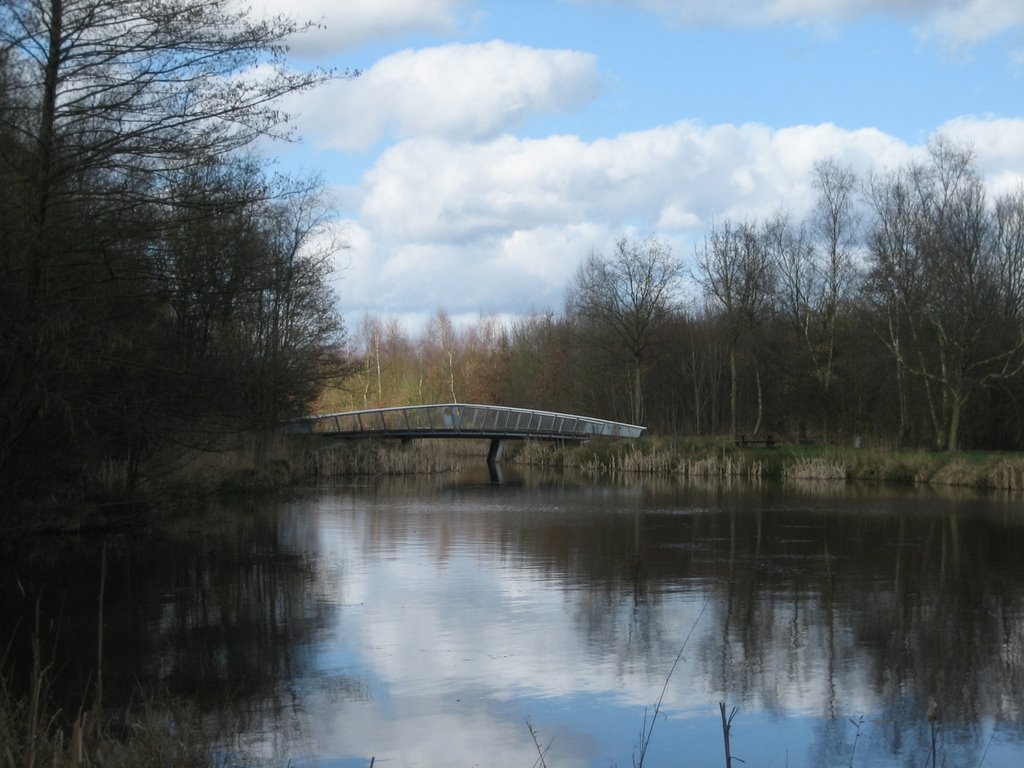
(891, 311)
(163, 289)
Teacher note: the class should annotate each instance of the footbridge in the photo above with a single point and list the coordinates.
(462, 420)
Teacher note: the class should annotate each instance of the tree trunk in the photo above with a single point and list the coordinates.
(733, 393)
(696, 394)
(760, 398)
(638, 393)
(44, 151)
(957, 402)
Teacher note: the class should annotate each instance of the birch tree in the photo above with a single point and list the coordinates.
(817, 275)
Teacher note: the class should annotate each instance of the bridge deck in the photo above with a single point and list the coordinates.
(464, 420)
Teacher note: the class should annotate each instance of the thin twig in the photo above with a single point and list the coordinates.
(856, 724)
(726, 728)
(536, 742)
(98, 703)
(645, 733)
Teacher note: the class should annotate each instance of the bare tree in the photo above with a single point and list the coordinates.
(737, 274)
(371, 331)
(817, 273)
(133, 89)
(946, 270)
(108, 110)
(444, 348)
(628, 297)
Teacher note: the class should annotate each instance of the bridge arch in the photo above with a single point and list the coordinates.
(464, 420)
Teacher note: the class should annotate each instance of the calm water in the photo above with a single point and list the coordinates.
(426, 623)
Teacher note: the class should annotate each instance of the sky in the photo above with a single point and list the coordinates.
(489, 146)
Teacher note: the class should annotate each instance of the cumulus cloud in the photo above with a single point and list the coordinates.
(501, 225)
(996, 144)
(464, 91)
(956, 22)
(343, 26)
(450, 190)
(969, 22)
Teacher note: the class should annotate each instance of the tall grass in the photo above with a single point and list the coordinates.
(268, 462)
(816, 468)
(719, 458)
(421, 457)
(154, 732)
(35, 731)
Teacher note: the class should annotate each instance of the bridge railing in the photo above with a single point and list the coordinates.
(467, 420)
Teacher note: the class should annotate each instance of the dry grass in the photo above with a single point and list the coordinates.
(538, 453)
(818, 468)
(422, 457)
(34, 732)
(249, 463)
(641, 457)
(719, 458)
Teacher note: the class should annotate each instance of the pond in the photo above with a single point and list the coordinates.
(455, 621)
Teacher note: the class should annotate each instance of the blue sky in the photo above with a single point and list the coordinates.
(488, 147)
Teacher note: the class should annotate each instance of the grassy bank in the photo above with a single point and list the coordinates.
(719, 457)
(110, 498)
(251, 465)
(247, 463)
(284, 461)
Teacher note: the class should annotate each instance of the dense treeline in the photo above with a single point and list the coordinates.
(893, 310)
(159, 288)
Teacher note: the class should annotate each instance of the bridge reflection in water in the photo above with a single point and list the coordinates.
(464, 420)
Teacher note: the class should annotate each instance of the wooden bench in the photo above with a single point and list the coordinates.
(766, 440)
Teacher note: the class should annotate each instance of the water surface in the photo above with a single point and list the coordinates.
(434, 622)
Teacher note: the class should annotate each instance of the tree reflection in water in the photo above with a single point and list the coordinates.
(367, 619)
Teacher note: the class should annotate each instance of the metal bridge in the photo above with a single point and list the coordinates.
(463, 420)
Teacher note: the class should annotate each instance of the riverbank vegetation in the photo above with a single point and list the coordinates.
(721, 458)
(34, 731)
(166, 303)
(892, 312)
(161, 287)
(287, 462)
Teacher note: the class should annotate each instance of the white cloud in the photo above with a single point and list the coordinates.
(465, 91)
(956, 22)
(998, 146)
(757, 12)
(501, 226)
(969, 22)
(344, 25)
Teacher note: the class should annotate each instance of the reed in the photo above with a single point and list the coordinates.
(655, 461)
(1006, 474)
(153, 732)
(538, 453)
(257, 463)
(722, 465)
(390, 458)
(817, 468)
(726, 731)
(706, 458)
(647, 457)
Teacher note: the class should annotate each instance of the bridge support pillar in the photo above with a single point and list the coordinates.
(497, 448)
